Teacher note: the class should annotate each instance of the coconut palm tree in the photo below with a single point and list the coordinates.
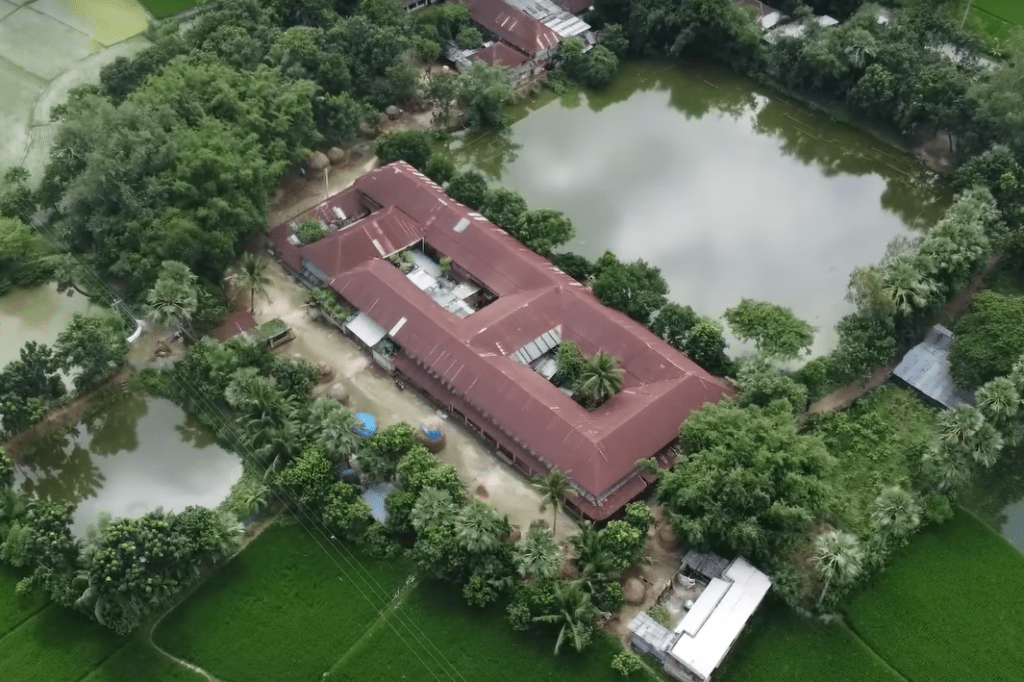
(576, 613)
(907, 285)
(553, 487)
(592, 560)
(252, 275)
(895, 513)
(839, 559)
(601, 378)
(537, 556)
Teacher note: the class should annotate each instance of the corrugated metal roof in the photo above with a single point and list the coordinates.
(926, 368)
(599, 449)
(500, 53)
(512, 25)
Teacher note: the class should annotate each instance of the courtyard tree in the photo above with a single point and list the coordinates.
(252, 275)
(483, 91)
(537, 555)
(988, 339)
(839, 558)
(574, 610)
(748, 482)
(554, 487)
(636, 288)
(774, 329)
(601, 378)
(412, 146)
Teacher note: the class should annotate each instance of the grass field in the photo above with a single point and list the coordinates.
(782, 647)
(161, 9)
(949, 608)
(56, 645)
(12, 612)
(137, 661)
(874, 443)
(281, 611)
(994, 19)
(471, 645)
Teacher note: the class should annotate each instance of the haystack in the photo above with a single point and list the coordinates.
(634, 591)
(393, 112)
(338, 392)
(318, 161)
(667, 537)
(326, 372)
(431, 434)
(336, 155)
(515, 536)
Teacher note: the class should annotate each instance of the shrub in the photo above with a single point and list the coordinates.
(661, 614)
(411, 146)
(626, 663)
(309, 231)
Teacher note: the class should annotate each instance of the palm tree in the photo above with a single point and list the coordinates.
(479, 529)
(601, 378)
(331, 425)
(986, 446)
(907, 285)
(947, 466)
(839, 558)
(999, 402)
(553, 487)
(895, 513)
(593, 561)
(960, 426)
(537, 556)
(172, 306)
(252, 275)
(575, 612)
(432, 507)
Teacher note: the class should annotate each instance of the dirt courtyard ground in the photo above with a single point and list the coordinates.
(48, 47)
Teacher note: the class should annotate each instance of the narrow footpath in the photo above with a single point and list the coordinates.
(844, 397)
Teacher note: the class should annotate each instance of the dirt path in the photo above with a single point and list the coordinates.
(843, 397)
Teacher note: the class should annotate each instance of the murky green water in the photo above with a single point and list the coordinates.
(732, 191)
(35, 314)
(997, 496)
(139, 454)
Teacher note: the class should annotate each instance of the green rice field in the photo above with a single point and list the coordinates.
(468, 644)
(281, 611)
(994, 19)
(949, 608)
(783, 647)
(161, 9)
(12, 612)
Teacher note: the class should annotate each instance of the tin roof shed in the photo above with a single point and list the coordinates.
(925, 368)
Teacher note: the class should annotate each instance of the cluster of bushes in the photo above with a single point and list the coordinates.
(123, 570)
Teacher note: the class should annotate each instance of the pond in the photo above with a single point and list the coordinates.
(730, 189)
(35, 314)
(138, 454)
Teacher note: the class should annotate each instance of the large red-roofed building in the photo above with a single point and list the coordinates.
(482, 363)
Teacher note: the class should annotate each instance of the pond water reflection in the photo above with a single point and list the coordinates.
(138, 454)
(732, 191)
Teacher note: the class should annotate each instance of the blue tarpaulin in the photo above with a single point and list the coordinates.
(431, 434)
(368, 425)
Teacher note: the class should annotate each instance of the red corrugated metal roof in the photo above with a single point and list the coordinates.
(575, 6)
(500, 53)
(512, 25)
(599, 449)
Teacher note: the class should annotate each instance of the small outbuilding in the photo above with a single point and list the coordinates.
(925, 369)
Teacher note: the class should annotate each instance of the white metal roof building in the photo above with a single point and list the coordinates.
(699, 643)
(565, 24)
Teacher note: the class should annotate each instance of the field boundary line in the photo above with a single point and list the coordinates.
(31, 616)
(411, 583)
(990, 529)
(863, 643)
(99, 664)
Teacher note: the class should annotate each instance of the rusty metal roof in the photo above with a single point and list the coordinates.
(512, 25)
(473, 356)
(500, 53)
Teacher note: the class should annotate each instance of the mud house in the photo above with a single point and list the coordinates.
(473, 318)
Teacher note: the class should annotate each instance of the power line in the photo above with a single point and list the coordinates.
(230, 432)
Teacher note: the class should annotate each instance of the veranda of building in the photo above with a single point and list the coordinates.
(471, 317)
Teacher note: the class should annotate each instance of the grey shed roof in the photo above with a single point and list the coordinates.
(925, 368)
(708, 564)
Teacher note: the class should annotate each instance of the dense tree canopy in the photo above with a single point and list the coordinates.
(636, 288)
(747, 482)
(412, 146)
(775, 330)
(989, 339)
(92, 346)
(23, 254)
(483, 91)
